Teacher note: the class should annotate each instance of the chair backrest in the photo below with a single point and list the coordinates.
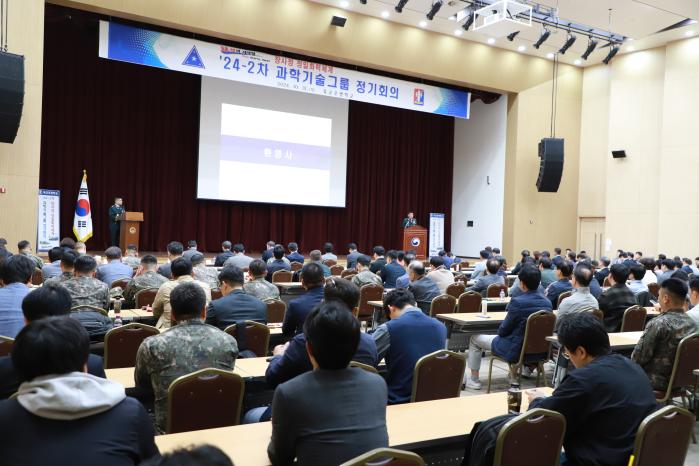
(686, 361)
(88, 308)
(121, 344)
(282, 276)
(276, 310)
(330, 262)
(37, 277)
(366, 367)
(634, 319)
(368, 292)
(121, 283)
(540, 427)
(442, 304)
(470, 302)
(348, 272)
(494, 290)
(605, 282)
(437, 376)
(456, 289)
(145, 297)
(598, 313)
(539, 326)
(336, 270)
(216, 294)
(654, 289)
(386, 457)
(562, 296)
(663, 438)
(256, 338)
(6, 344)
(463, 265)
(204, 399)
(296, 266)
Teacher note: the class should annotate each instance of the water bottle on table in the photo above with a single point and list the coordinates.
(502, 295)
(117, 314)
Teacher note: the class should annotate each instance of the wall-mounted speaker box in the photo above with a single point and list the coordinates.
(619, 154)
(11, 95)
(551, 165)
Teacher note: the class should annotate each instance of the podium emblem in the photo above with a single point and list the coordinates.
(415, 241)
(132, 230)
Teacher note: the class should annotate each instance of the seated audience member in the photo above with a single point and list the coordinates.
(404, 280)
(174, 251)
(146, 278)
(63, 415)
(201, 455)
(687, 265)
(548, 274)
(655, 351)
(515, 290)
(695, 267)
(448, 260)
(131, 258)
(617, 298)
(581, 300)
(392, 270)
(84, 288)
(201, 272)
(67, 265)
(439, 274)
(356, 420)
(4, 253)
(407, 336)
(667, 268)
(191, 249)
(563, 271)
(222, 257)
(422, 287)
(236, 305)
(379, 261)
(508, 342)
(328, 252)
(603, 271)
(636, 285)
(352, 255)
(16, 274)
(267, 254)
(239, 259)
(681, 275)
(294, 255)
(114, 269)
(604, 400)
(491, 277)
(649, 276)
(595, 290)
(479, 268)
(49, 300)
(694, 299)
(80, 248)
(365, 276)
(258, 286)
(67, 243)
(53, 268)
(315, 257)
(278, 262)
(518, 266)
(181, 273)
(185, 348)
(24, 248)
(298, 309)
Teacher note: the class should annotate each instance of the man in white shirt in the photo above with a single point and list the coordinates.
(694, 299)
(649, 276)
(635, 283)
(328, 252)
(479, 268)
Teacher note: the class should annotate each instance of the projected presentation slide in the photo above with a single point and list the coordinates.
(285, 148)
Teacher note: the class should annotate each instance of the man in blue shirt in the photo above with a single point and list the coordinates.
(352, 256)
(298, 309)
(53, 269)
(508, 342)
(294, 255)
(448, 261)
(114, 269)
(563, 271)
(479, 268)
(16, 273)
(278, 263)
(392, 271)
(223, 257)
(404, 280)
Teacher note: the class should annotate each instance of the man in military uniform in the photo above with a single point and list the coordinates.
(185, 348)
(181, 269)
(146, 278)
(258, 286)
(364, 275)
(131, 258)
(201, 272)
(410, 220)
(67, 264)
(116, 213)
(25, 249)
(84, 288)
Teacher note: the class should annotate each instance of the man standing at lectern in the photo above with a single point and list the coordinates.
(116, 213)
(409, 221)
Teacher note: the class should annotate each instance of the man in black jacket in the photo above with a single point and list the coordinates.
(235, 306)
(604, 400)
(617, 299)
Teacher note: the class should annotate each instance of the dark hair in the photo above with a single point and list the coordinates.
(257, 268)
(437, 261)
(530, 276)
(662, 257)
(694, 284)
(525, 253)
(605, 261)
(226, 245)
(493, 265)
(191, 243)
(401, 255)
(332, 333)
(328, 247)
(496, 250)
(69, 257)
(233, 275)
(669, 263)
(392, 254)
(53, 345)
(418, 267)
(292, 247)
(17, 269)
(315, 255)
(175, 248)
(647, 262)
(364, 260)
(352, 246)
(681, 275)
(187, 301)
(51, 299)
(339, 289)
(583, 329)
(379, 250)
(197, 258)
(312, 275)
(399, 297)
(113, 252)
(545, 262)
(566, 268)
(441, 253)
(278, 251)
(85, 264)
(557, 251)
(55, 254)
(583, 275)
(149, 259)
(619, 272)
(484, 254)
(22, 244)
(408, 258)
(67, 243)
(180, 267)
(201, 455)
(638, 271)
(687, 260)
(238, 248)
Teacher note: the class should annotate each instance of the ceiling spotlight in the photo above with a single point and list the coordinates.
(630, 48)
(614, 50)
(521, 48)
(689, 33)
(385, 14)
(344, 3)
(401, 4)
(550, 55)
(436, 6)
(468, 22)
(512, 36)
(591, 44)
(578, 61)
(542, 38)
(458, 32)
(569, 43)
(491, 40)
(422, 23)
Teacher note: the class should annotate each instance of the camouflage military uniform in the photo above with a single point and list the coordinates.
(181, 350)
(365, 278)
(208, 275)
(655, 351)
(261, 289)
(161, 304)
(38, 263)
(59, 279)
(87, 291)
(144, 281)
(131, 261)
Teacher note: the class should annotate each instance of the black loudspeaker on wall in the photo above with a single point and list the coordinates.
(11, 95)
(551, 165)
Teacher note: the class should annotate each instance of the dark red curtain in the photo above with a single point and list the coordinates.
(135, 130)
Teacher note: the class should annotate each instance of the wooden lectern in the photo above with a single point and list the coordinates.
(416, 238)
(130, 229)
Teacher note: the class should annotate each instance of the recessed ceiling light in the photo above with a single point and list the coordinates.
(458, 32)
(344, 3)
(522, 48)
(630, 49)
(689, 33)
(550, 55)
(578, 62)
(385, 14)
(422, 23)
(491, 40)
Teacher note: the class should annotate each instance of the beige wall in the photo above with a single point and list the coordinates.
(19, 162)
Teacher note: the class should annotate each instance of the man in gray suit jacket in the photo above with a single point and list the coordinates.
(490, 278)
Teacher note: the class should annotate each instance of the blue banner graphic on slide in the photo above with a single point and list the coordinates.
(144, 47)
